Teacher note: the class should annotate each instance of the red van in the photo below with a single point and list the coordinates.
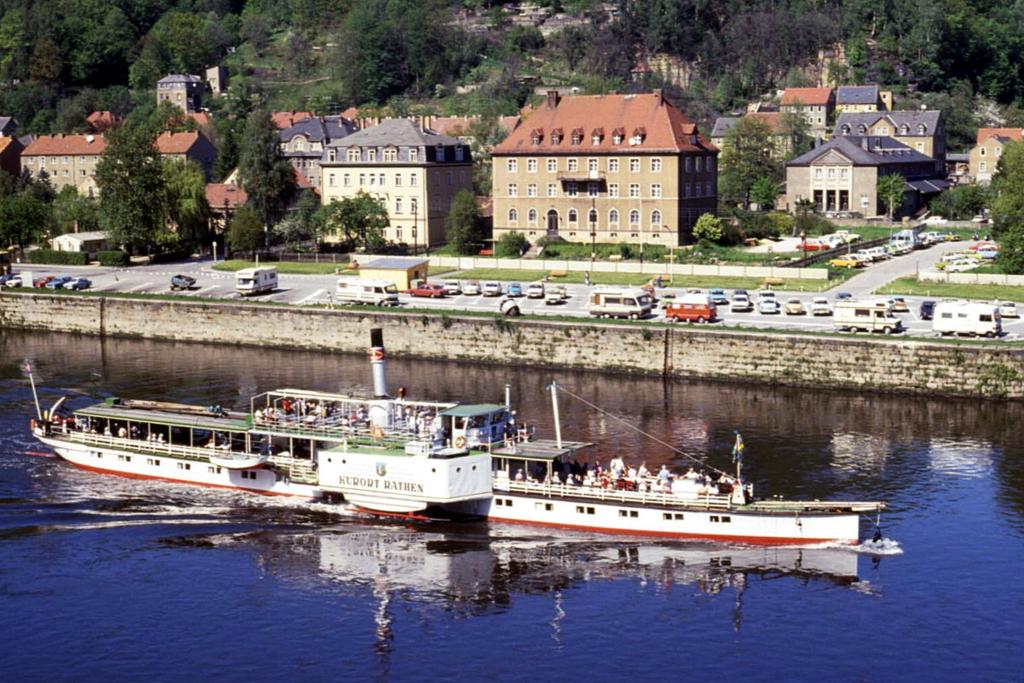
(692, 308)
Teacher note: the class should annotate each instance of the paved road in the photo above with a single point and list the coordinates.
(317, 289)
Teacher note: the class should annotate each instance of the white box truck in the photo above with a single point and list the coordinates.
(967, 318)
(865, 316)
(250, 281)
(620, 302)
(354, 290)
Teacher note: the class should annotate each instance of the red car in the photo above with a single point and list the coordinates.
(42, 281)
(427, 290)
(812, 245)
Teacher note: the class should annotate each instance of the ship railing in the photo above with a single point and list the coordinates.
(149, 447)
(338, 429)
(299, 469)
(613, 495)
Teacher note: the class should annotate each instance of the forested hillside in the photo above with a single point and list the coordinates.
(60, 59)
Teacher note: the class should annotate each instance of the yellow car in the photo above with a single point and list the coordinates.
(845, 262)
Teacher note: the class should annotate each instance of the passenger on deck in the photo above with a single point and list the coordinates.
(664, 476)
(643, 471)
(690, 474)
(519, 474)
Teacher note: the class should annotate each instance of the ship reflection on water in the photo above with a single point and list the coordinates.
(478, 572)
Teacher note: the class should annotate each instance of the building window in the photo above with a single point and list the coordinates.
(613, 190)
(655, 219)
(531, 217)
(844, 173)
(697, 164)
(552, 165)
(513, 190)
(634, 190)
(573, 217)
(398, 205)
(634, 218)
(552, 190)
(634, 165)
(572, 189)
(831, 173)
(613, 218)
(513, 217)
(330, 180)
(438, 152)
(686, 189)
(512, 165)
(373, 180)
(531, 165)
(458, 152)
(655, 165)
(353, 154)
(414, 154)
(577, 137)
(656, 190)
(707, 189)
(592, 165)
(920, 147)
(592, 189)
(450, 178)
(362, 179)
(983, 167)
(572, 165)
(689, 164)
(398, 180)
(390, 154)
(413, 205)
(531, 190)
(613, 165)
(413, 180)
(817, 174)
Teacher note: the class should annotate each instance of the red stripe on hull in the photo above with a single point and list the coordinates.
(754, 540)
(132, 475)
(400, 515)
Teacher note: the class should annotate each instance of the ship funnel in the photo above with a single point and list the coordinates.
(380, 382)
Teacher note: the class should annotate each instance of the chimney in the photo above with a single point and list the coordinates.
(380, 385)
(552, 99)
(864, 144)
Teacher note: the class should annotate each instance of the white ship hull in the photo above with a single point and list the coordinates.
(111, 459)
(742, 524)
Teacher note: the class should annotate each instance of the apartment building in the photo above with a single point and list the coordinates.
(984, 156)
(816, 105)
(67, 160)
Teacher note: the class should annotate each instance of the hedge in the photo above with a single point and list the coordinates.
(169, 256)
(117, 259)
(62, 258)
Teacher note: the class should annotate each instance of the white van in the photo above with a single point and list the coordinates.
(620, 302)
(865, 316)
(255, 281)
(355, 290)
(965, 317)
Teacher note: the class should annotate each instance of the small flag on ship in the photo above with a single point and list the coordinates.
(737, 449)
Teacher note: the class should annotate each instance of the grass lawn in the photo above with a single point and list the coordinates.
(288, 267)
(637, 279)
(909, 285)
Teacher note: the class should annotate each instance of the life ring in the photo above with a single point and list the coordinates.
(460, 442)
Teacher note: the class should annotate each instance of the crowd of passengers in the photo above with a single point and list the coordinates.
(621, 476)
(64, 423)
(422, 422)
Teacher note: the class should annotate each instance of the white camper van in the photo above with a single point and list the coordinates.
(620, 302)
(250, 281)
(355, 290)
(965, 317)
(866, 316)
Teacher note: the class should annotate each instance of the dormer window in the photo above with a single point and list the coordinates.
(353, 154)
(904, 129)
(638, 135)
(556, 136)
(596, 136)
(458, 152)
(332, 154)
(371, 155)
(846, 129)
(536, 135)
(577, 136)
(862, 129)
(414, 154)
(921, 129)
(390, 154)
(618, 135)
(439, 153)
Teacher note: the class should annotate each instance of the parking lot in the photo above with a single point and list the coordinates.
(318, 290)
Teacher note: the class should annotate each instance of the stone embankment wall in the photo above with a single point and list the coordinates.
(875, 364)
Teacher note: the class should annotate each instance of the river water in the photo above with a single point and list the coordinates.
(103, 578)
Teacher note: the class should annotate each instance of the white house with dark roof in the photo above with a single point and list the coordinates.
(921, 130)
(183, 90)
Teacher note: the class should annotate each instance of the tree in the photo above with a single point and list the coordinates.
(73, 212)
(360, 221)
(1008, 188)
(890, 189)
(795, 128)
(1011, 252)
(264, 174)
(746, 156)
(511, 245)
(130, 179)
(184, 200)
(22, 219)
(764, 192)
(708, 228)
(245, 234)
(462, 227)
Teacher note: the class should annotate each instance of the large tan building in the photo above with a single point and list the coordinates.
(67, 160)
(923, 131)
(188, 146)
(984, 158)
(604, 168)
(842, 176)
(416, 173)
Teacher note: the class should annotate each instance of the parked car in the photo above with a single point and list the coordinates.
(718, 297)
(509, 307)
(535, 290)
(821, 306)
(845, 262)
(427, 289)
(78, 283)
(842, 296)
(741, 304)
(1008, 309)
(492, 289)
(514, 289)
(182, 282)
(58, 282)
(452, 287)
(765, 294)
(899, 305)
(741, 292)
(935, 220)
(768, 306)
(15, 280)
(988, 252)
(927, 310)
(980, 219)
(794, 307)
(42, 281)
(554, 294)
(471, 288)
(692, 308)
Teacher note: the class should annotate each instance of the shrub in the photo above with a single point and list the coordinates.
(512, 245)
(169, 256)
(782, 222)
(625, 251)
(116, 259)
(62, 258)
(708, 228)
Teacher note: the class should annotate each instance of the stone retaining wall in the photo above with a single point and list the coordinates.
(875, 364)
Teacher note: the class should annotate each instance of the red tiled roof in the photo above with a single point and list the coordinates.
(287, 119)
(200, 117)
(220, 194)
(661, 125)
(508, 123)
(102, 120)
(772, 119)
(302, 182)
(5, 142)
(60, 145)
(807, 96)
(986, 133)
(176, 143)
(451, 125)
(351, 113)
